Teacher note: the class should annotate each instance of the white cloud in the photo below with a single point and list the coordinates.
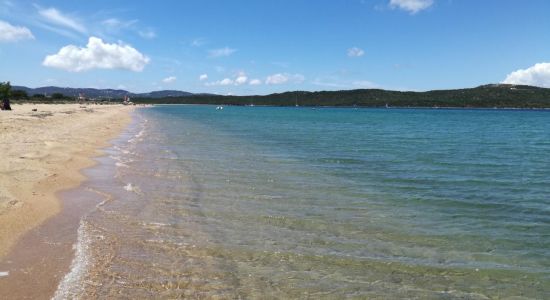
(114, 24)
(255, 82)
(147, 33)
(241, 78)
(276, 79)
(61, 31)
(355, 52)
(169, 79)
(412, 6)
(281, 78)
(226, 51)
(54, 16)
(97, 55)
(225, 81)
(10, 33)
(203, 77)
(537, 75)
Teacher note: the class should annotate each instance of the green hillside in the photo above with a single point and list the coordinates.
(495, 95)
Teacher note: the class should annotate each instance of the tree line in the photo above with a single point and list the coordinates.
(486, 96)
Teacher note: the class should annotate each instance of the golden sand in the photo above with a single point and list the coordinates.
(42, 152)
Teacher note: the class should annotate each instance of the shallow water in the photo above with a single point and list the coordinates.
(262, 202)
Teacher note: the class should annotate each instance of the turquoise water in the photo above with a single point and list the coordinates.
(263, 202)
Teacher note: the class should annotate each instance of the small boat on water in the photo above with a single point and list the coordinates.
(219, 107)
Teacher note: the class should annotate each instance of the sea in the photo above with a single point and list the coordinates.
(198, 201)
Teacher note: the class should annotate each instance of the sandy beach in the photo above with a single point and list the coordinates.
(42, 153)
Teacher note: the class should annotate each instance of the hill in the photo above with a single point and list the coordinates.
(485, 96)
(492, 95)
(99, 93)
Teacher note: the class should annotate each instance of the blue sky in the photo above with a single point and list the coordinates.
(260, 47)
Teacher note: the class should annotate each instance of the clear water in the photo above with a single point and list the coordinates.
(262, 202)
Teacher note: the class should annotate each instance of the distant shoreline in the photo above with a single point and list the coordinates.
(377, 107)
(485, 96)
(141, 104)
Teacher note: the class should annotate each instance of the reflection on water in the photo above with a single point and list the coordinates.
(328, 203)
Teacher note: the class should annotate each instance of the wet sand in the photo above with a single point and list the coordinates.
(42, 153)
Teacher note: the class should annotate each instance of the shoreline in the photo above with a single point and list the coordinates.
(364, 107)
(43, 155)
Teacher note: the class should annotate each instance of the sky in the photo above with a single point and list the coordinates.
(247, 47)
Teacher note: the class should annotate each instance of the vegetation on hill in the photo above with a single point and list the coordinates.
(5, 93)
(486, 96)
(98, 94)
(496, 95)
(5, 90)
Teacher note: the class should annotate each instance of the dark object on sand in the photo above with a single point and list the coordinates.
(5, 89)
(34, 109)
(5, 104)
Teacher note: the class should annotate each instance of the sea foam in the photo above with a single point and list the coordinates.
(71, 286)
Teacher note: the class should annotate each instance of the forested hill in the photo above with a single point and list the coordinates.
(493, 95)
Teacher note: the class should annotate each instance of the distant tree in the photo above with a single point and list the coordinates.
(5, 92)
(38, 96)
(19, 94)
(58, 96)
(5, 89)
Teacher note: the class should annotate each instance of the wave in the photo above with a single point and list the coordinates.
(70, 286)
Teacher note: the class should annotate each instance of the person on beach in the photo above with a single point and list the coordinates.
(6, 104)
